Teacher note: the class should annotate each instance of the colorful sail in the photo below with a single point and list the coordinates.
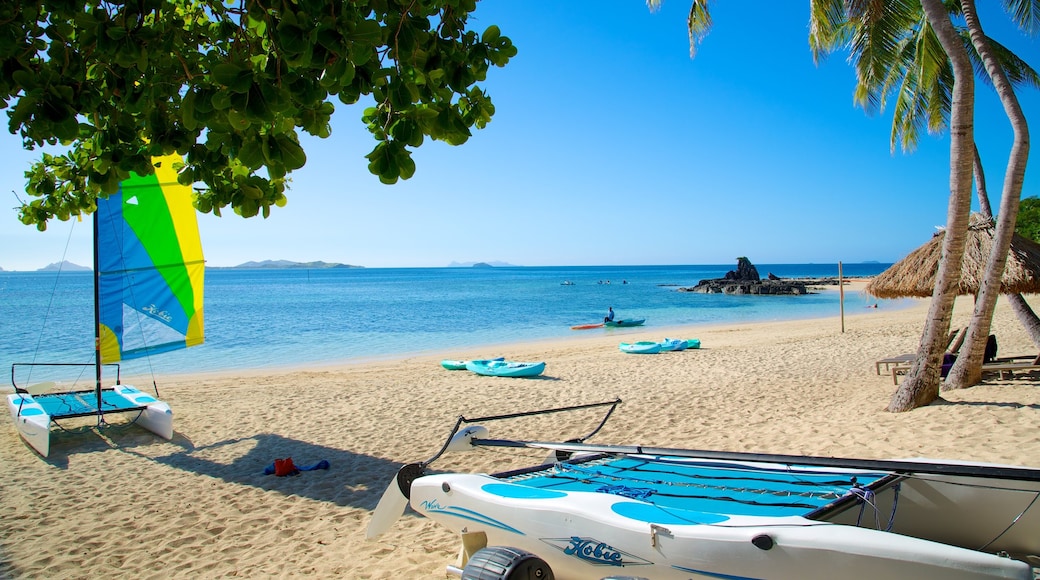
(150, 267)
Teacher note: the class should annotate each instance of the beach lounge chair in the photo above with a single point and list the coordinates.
(1006, 367)
(953, 344)
(900, 360)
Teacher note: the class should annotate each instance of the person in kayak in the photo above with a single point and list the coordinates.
(610, 315)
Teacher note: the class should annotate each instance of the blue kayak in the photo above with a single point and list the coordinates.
(641, 347)
(624, 322)
(460, 365)
(673, 344)
(504, 368)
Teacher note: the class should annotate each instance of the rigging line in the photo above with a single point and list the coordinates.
(932, 479)
(784, 468)
(124, 271)
(54, 291)
(829, 494)
(803, 482)
(1012, 524)
(825, 490)
(751, 502)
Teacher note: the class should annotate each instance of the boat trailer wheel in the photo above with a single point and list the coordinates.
(503, 563)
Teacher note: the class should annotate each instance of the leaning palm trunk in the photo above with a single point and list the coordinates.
(1023, 312)
(967, 370)
(921, 385)
(1029, 320)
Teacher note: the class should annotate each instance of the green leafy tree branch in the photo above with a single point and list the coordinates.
(229, 86)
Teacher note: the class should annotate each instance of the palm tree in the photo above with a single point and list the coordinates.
(913, 51)
(921, 385)
(967, 370)
(910, 67)
(897, 55)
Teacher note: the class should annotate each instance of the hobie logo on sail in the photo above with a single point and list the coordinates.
(594, 551)
(154, 311)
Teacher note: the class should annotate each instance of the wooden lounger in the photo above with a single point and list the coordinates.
(1009, 365)
(895, 360)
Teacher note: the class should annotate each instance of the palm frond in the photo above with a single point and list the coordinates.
(1025, 13)
(829, 30)
(699, 24)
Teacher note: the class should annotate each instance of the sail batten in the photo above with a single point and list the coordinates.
(151, 267)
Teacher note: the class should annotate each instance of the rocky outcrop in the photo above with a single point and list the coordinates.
(745, 280)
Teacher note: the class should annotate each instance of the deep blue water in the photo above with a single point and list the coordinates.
(277, 318)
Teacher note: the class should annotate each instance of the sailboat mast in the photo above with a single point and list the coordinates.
(97, 322)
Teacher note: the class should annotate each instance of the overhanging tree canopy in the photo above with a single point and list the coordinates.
(229, 87)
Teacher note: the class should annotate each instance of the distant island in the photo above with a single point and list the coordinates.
(65, 266)
(285, 264)
(480, 265)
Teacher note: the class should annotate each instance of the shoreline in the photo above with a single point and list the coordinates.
(488, 350)
(202, 505)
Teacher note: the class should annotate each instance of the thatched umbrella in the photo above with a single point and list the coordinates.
(914, 275)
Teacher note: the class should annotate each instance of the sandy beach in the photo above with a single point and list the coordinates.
(124, 503)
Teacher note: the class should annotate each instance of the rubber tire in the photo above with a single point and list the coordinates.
(505, 563)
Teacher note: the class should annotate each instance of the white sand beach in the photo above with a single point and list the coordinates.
(124, 503)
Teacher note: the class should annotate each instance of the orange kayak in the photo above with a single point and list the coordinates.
(587, 326)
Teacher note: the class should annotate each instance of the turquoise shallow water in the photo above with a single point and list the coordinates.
(277, 318)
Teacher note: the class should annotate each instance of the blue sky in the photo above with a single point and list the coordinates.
(610, 146)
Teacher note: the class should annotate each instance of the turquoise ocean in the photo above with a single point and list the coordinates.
(272, 318)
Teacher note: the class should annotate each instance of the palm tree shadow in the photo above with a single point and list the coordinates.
(995, 404)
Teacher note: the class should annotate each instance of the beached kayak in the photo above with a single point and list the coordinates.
(504, 368)
(673, 344)
(641, 347)
(624, 322)
(460, 365)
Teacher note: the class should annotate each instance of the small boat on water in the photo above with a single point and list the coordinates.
(624, 322)
(460, 365)
(595, 511)
(673, 344)
(504, 368)
(587, 326)
(641, 347)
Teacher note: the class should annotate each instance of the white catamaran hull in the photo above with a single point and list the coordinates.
(156, 417)
(587, 535)
(34, 422)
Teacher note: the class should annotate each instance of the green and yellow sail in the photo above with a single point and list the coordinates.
(150, 267)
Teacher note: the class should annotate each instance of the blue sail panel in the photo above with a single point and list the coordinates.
(151, 267)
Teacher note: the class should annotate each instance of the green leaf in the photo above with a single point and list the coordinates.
(292, 154)
(188, 111)
(235, 78)
(238, 120)
(367, 32)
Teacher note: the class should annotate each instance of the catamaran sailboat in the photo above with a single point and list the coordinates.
(148, 294)
(611, 511)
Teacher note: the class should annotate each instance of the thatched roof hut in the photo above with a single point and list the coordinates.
(914, 275)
